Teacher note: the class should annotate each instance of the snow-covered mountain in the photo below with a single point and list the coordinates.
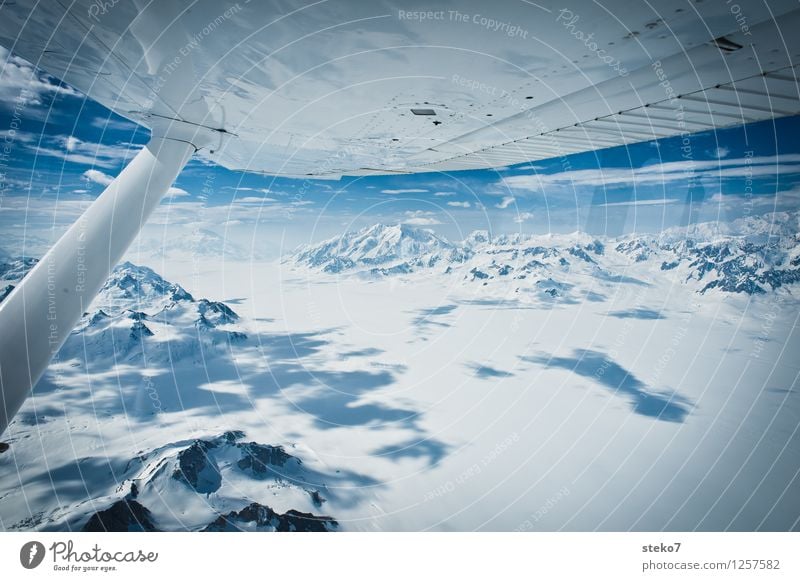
(735, 265)
(755, 255)
(13, 269)
(139, 315)
(214, 484)
(11, 272)
(758, 229)
(132, 286)
(381, 249)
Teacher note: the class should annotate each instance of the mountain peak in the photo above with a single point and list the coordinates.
(478, 237)
(379, 246)
(132, 282)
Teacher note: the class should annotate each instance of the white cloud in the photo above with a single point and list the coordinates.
(523, 217)
(784, 199)
(406, 191)
(111, 124)
(74, 150)
(460, 204)
(97, 177)
(422, 221)
(189, 211)
(40, 215)
(22, 83)
(254, 200)
(528, 167)
(721, 152)
(656, 202)
(174, 192)
(420, 218)
(505, 202)
(660, 173)
(444, 194)
(247, 189)
(23, 137)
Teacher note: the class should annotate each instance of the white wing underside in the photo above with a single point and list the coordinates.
(327, 89)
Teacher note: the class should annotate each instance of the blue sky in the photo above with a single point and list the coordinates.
(65, 148)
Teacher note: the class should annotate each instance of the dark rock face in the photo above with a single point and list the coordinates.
(260, 458)
(316, 498)
(638, 250)
(478, 274)
(139, 330)
(542, 251)
(211, 315)
(99, 317)
(16, 268)
(403, 268)
(216, 312)
(237, 337)
(197, 469)
(778, 278)
(578, 252)
(122, 516)
(232, 435)
(337, 265)
(263, 517)
(5, 291)
(741, 268)
(296, 521)
(740, 285)
(203, 325)
(597, 247)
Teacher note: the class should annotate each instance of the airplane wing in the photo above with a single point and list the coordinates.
(357, 88)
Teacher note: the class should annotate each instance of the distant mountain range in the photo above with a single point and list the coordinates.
(139, 319)
(753, 256)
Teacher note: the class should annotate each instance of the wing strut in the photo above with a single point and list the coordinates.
(38, 315)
